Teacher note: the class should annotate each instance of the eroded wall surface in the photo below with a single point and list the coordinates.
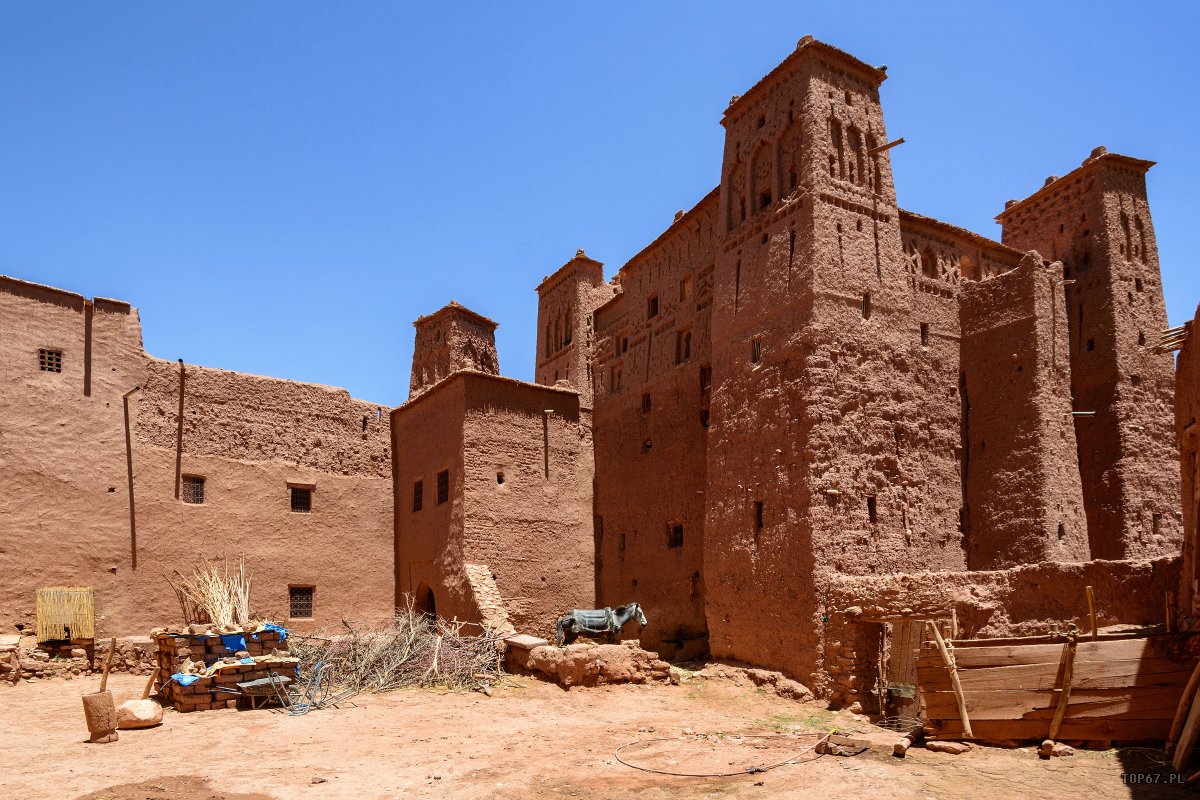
(1187, 411)
(654, 367)
(1096, 220)
(1024, 498)
(518, 460)
(68, 521)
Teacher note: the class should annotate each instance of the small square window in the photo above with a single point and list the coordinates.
(418, 495)
(301, 499)
(646, 403)
(300, 602)
(652, 307)
(192, 490)
(50, 360)
(443, 486)
(675, 537)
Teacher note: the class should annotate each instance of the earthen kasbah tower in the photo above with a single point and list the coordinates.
(800, 384)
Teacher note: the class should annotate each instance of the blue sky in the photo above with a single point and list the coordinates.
(281, 188)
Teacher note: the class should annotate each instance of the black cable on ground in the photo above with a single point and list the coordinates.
(747, 771)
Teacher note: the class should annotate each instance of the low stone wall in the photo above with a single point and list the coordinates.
(27, 660)
(590, 664)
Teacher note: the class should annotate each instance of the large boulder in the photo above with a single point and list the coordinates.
(139, 714)
(598, 664)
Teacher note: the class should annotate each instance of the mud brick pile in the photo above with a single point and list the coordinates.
(217, 688)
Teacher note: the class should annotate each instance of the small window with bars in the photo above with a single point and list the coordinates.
(50, 360)
(301, 499)
(418, 495)
(443, 486)
(192, 490)
(300, 602)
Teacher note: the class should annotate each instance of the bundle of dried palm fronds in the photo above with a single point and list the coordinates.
(215, 593)
(413, 650)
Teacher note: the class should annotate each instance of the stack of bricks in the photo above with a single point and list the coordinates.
(217, 687)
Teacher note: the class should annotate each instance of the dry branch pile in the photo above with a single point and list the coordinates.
(411, 651)
(215, 593)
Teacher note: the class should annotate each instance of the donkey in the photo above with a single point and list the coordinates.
(604, 622)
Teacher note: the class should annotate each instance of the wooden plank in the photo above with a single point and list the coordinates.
(1185, 703)
(1138, 703)
(1050, 639)
(1117, 674)
(1010, 655)
(1187, 737)
(1117, 730)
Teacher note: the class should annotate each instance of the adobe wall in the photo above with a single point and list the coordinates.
(527, 487)
(251, 438)
(651, 433)
(1187, 411)
(65, 506)
(1029, 600)
(841, 429)
(1096, 220)
(427, 438)
(66, 462)
(565, 337)
(1024, 498)
(452, 338)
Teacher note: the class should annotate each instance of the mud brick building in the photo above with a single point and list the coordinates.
(800, 388)
(799, 414)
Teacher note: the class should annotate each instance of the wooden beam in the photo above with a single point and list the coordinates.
(1092, 610)
(1064, 695)
(948, 660)
(1185, 702)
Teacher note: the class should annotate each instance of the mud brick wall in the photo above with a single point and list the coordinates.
(652, 376)
(1023, 601)
(1187, 412)
(1096, 220)
(172, 652)
(566, 339)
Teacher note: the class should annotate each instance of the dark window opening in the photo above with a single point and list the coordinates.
(1137, 284)
(924, 333)
(1091, 345)
(675, 537)
(1141, 337)
(192, 490)
(758, 515)
(646, 403)
(624, 344)
(755, 351)
(705, 378)
(764, 200)
(50, 360)
(443, 486)
(500, 478)
(872, 512)
(1156, 524)
(685, 288)
(866, 305)
(704, 418)
(418, 495)
(683, 346)
(300, 602)
(652, 307)
(1062, 531)
(761, 122)
(301, 499)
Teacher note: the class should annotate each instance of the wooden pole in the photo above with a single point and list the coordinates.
(150, 683)
(1066, 667)
(1185, 702)
(955, 683)
(1092, 610)
(112, 649)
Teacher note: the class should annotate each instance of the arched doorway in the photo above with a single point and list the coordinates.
(425, 600)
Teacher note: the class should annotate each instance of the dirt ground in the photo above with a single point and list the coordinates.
(528, 740)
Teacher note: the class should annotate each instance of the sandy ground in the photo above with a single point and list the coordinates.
(529, 740)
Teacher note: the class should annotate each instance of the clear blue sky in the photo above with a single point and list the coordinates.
(281, 188)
